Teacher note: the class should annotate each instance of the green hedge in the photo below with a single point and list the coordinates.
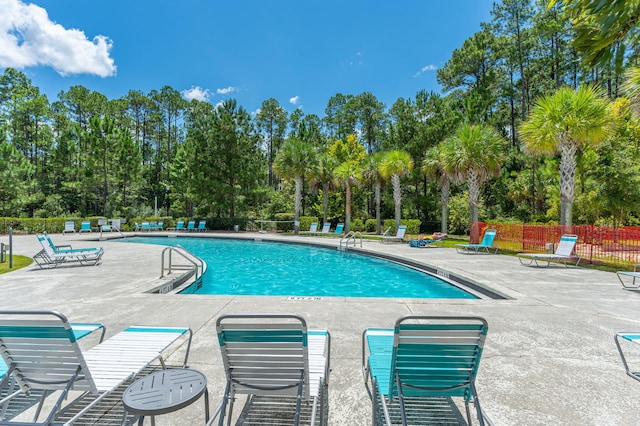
(413, 225)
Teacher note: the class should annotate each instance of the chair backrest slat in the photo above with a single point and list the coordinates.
(489, 236)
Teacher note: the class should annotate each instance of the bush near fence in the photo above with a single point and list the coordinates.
(619, 247)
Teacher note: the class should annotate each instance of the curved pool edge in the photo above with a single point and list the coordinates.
(464, 283)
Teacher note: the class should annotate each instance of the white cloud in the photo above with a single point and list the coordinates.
(196, 92)
(425, 69)
(256, 112)
(227, 90)
(295, 100)
(29, 38)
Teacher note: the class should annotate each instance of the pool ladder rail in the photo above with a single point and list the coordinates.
(193, 263)
(352, 236)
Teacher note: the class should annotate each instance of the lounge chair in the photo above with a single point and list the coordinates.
(202, 226)
(398, 237)
(52, 255)
(422, 363)
(313, 229)
(146, 226)
(434, 240)
(43, 355)
(339, 229)
(179, 226)
(325, 228)
(13, 405)
(191, 226)
(274, 358)
(633, 337)
(633, 274)
(115, 225)
(159, 226)
(485, 245)
(564, 253)
(69, 226)
(85, 227)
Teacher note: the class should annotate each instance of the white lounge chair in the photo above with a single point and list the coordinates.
(564, 253)
(274, 358)
(69, 226)
(402, 229)
(633, 276)
(52, 255)
(43, 354)
(313, 229)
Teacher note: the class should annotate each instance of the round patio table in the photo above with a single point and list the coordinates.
(164, 392)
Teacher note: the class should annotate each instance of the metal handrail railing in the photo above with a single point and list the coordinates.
(194, 263)
(352, 236)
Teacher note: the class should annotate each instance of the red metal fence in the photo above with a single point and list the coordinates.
(618, 247)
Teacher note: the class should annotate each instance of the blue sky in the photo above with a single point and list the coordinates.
(299, 52)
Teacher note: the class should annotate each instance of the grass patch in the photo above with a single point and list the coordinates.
(18, 263)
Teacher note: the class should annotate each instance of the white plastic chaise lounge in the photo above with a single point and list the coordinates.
(626, 283)
(52, 255)
(43, 354)
(399, 237)
(564, 253)
(412, 371)
(485, 245)
(277, 362)
(69, 226)
(326, 227)
(313, 229)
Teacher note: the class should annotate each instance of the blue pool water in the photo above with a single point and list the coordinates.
(246, 267)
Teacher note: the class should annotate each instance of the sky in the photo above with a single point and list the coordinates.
(299, 52)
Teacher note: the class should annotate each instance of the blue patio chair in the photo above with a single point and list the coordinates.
(339, 229)
(485, 245)
(202, 226)
(53, 256)
(191, 226)
(274, 355)
(179, 226)
(422, 360)
(85, 227)
(146, 226)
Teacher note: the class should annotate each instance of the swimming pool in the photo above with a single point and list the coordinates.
(262, 268)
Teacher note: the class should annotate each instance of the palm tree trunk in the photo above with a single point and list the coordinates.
(347, 224)
(473, 183)
(378, 218)
(325, 201)
(296, 204)
(568, 151)
(397, 197)
(444, 200)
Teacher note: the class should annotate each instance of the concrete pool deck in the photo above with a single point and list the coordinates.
(549, 357)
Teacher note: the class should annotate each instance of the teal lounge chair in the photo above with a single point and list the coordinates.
(273, 357)
(159, 226)
(191, 226)
(633, 276)
(564, 253)
(146, 226)
(46, 340)
(485, 245)
(419, 365)
(53, 256)
(11, 403)
(85, 227)
(202, 226)
(339, 229)
(179, 226)
(629, 337)
(402, 229)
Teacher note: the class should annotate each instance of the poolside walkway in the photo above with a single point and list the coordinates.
(549, 358)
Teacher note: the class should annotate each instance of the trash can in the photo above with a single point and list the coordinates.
(236, 228)
(549, 247)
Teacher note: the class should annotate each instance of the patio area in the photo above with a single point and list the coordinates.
(549, 357)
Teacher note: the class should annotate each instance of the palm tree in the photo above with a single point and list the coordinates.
(394, 166)
(567, 121)
(472, 155)
(348, 173)
(322, 174)
(433, 166)
(292, 162)
(372, 173)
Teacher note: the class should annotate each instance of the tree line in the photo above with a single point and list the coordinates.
(488, 147)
